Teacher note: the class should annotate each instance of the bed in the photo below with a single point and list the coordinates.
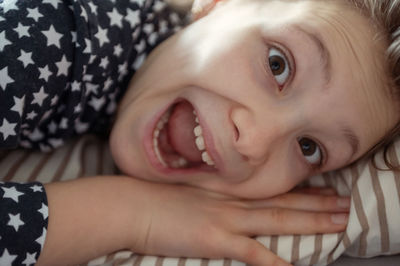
(373, 228)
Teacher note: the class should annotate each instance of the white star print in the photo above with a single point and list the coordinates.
(55, 143)
(159, 6)
(152, 38)
(30, 259)
(93, 8)
(39, 97)
(8, 5)
(148, 28)
(22, 30)
(140, 46)
(45, 73)
(52, 127)
(6, 258)
(107, 84)
(74, 37)
(18, 105)
(41, 239)
(88, 47)
(77, 108)
(133, 17)
(81, 127)
(64, 123)
(92, 58)
(54, 3)
(31, 115)
(36, 188)
(25, 58)
(63, 66)
(117, 50)
(101, 35)
(104, 62)
(34, 14)
(7, 129)
(139, 61)
(97, 103)
(44, 210)
(15, 221)
(53, 37)
(36, 135)
(91, 88)
(3, 40)
(5, 78)
(11, 193)
(123, 70)
(75, 86)
(54, 100)
(115, 18)
(84, 14)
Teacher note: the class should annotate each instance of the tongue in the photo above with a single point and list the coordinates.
(180, 131)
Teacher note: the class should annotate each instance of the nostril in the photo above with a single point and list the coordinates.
(237, 134)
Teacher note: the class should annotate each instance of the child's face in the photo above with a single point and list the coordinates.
(282, 90)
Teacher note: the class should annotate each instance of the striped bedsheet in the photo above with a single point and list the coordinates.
(374, 221)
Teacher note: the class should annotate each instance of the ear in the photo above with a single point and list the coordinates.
(201, 8)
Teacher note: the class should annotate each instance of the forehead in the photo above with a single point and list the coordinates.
(351, 54)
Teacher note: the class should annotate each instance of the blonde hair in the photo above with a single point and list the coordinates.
(385, 16)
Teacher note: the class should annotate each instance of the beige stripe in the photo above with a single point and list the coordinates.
(393, 158)
(317, 249)
(273, 246)
(295, 249)
(204, 262)
(383, 222)
(159, 261)
(346, 241)
(227, 262)
(4, 154)
(339, 241)
(14, 168)
(84, 151)
(340, 178)
(60, 170)
(33, 176)
(182, 262)
(360, 212)
(138, 260)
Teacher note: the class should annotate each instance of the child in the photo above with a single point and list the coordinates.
(241, 104)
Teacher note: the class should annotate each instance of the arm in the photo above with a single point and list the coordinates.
(95, 216)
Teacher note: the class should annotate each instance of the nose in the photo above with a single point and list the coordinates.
(256, 136)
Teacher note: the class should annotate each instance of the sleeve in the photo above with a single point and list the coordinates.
(23, 222)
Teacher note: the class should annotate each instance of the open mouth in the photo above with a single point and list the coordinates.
(178, 140)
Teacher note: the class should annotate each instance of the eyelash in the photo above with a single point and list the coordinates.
(324, 155)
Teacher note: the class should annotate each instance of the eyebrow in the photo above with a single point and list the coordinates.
(322, 50)
(325, 56)
(352, 139)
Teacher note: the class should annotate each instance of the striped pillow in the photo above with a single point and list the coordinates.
(373, 224)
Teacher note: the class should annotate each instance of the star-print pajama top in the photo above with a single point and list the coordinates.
(64, 64)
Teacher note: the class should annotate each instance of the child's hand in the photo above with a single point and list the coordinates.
(189, 222)
(90, 217)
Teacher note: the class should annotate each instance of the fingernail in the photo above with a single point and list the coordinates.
(343, 203)
(340, 218)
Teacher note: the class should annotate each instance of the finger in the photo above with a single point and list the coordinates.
(288, 222)
(306, 202)
(316, 190)
(252, 252)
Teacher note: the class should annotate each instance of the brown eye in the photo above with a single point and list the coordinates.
(279, 66)
(311, 151)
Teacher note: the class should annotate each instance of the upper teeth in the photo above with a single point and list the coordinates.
(198, 132)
